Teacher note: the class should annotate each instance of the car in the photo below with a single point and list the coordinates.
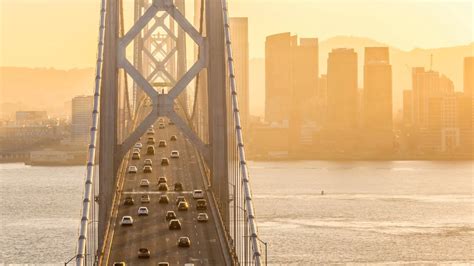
(165, 161)
(136, 150)
(178, 186)
(135, 156)
(183, 206)
(163, 263)
(162, 179)
(119, 263)
(150, 150)
(174, 138)
(162, 187)
(201, 204)
(179, 199)
(138, 145)
(150, 132)
(145, 198)
(150, 140)
(148, 162)
(142, 211)
(161, 126)
(143, 253)
(184, 242)
(126, 220)
(162, 144)
(174, 154)
(132, 169)
(161, 120)
(144, 183)
(170, 215)
(147, 169)
(202, 217)
(198, 194)
(164, 199)
(128, 201)
(170, 122)
(174, 224)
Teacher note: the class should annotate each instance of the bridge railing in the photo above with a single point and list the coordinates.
(244, 228)
(89, 197)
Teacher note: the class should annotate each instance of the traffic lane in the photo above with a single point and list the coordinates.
(169, 246)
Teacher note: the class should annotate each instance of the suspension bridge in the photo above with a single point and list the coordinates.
(165, 96)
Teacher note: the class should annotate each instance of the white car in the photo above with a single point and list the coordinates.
(142, 211)
(127, 220)
(202, 217)
(144, 183)
(138, 145)
(198, 194)
(174, 154)
(132, 169)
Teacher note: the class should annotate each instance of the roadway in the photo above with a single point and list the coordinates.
(152, 231)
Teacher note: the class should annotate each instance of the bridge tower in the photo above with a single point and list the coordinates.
(113, 147)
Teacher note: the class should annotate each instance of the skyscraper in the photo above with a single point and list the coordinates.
(469, 76)
(407, 108)
(342, 89)
(305, 76)
(278, 77)
(427, 84)
(240, 45)
(81, 118)
(377, 101)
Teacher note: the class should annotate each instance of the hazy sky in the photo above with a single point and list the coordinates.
(62, 33)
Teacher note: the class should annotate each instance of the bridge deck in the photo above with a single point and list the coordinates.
(152, 231)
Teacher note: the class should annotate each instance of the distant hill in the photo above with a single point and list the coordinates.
(42, 88)
(447, 60)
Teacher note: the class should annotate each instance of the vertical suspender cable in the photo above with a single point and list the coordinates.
(88, 197)
(240, 143)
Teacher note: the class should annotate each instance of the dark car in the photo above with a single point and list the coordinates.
(170, 215)
(143, 253)
(201, 204)
(162, 179)
(128, 201)
(165, 162)
(162, 144)
(174, 224)
(150, 150)
(173, 138)
(162, 187)
(150, 140)
(120, 263)
(136, 156)
(164, 199)
(178, 186)
(184, 242)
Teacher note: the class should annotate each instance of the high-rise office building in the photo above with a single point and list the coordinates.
(305, 76)
(240, 45)
(469, 76)
(278, 77)
(321, 101)
(426, 84)
(377, 110)
(342, 95)
(81, 118)
(291, 78)
(407, 108)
